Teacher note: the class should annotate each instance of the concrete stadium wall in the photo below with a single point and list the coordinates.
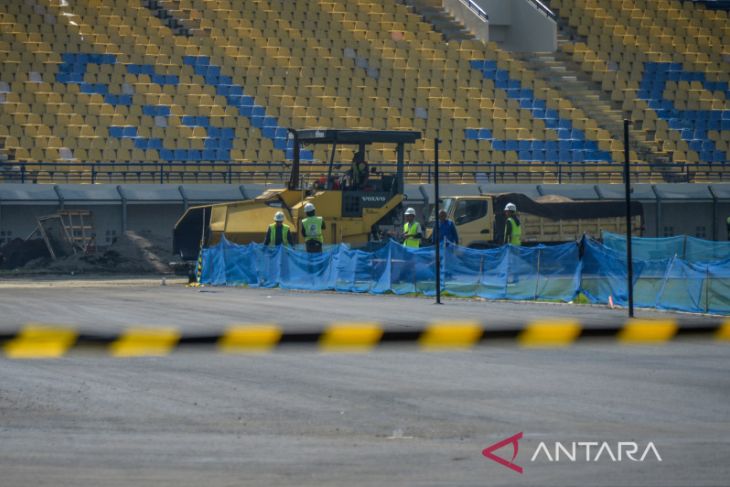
(473, 22)
(681, 208)
(519, 25)
(157, 219)
(18, 220)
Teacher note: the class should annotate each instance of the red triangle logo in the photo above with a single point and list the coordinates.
(488, 452)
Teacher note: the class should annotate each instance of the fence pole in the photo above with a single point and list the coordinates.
(436, 236)
(629, 259)
(707, 288)
(481, 273)
(537, 281)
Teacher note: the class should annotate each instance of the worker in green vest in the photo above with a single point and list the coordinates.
(359, 170)
(512, 225)
(412, 234)
(279, 232)
(312, 227)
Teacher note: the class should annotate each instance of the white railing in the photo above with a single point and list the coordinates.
(474, 7)
(544, 8)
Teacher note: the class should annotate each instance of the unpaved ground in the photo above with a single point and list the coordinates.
(132, 253)
(88, 281)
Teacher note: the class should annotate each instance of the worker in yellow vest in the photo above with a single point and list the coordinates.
(412, 234)
(512, 225)
(312, 227)
(279, 232)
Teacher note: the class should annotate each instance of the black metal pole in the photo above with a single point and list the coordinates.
(629, 259)
(294, 176)
(436, 236)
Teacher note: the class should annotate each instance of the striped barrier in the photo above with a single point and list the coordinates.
(46, 341)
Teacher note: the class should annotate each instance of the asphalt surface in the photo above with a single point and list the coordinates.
(103, 305)
(389, 417)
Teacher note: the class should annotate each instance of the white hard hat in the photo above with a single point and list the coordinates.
(510, 207)
(410, 211)
(308, 207)
(279, 217)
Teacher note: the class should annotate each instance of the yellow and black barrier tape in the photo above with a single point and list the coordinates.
(50, 341)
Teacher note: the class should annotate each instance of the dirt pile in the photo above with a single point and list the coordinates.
(131, 253)
(19, 252)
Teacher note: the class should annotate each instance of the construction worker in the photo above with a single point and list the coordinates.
(312, 227)
(279, 232)
(412, 234)
(512, 225)
(447, 229)
(359, 170)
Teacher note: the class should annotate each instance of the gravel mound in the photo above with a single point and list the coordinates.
(131, 253)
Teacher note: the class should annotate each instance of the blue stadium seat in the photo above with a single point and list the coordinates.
(211, 142)
(576, 156)
(280, 143)
(485, 134)
(563, 134)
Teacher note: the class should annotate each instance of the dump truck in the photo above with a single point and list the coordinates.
(480, 219)
(356, 215)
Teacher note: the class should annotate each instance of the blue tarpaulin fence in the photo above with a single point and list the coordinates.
(670, 283)
(689, 249)
(556, 273)
(503, 273)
